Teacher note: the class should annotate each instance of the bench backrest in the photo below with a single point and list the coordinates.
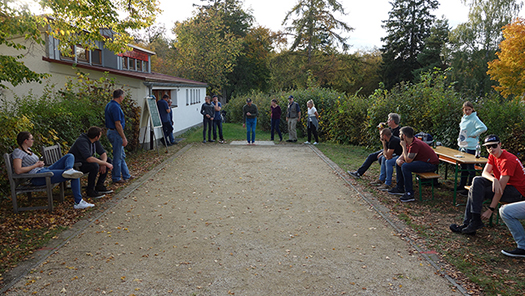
(9, 167)
(51, 154)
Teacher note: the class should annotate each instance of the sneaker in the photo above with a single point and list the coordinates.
(457, 228)
(289, 141)
(211, 141)
(103, 190)
(515, 253)
(396, 191)
(204, 141)
(82, 205)
(119, 181)
(295, 140)
(384, 187)
(354, 174)
(376, 183)
(72, 174)
(472, 227)
(94, 194)
(463, 192)
(307, 142)
(315, 143)
(407, 197)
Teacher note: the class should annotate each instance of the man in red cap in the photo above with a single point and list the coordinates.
(503, 179)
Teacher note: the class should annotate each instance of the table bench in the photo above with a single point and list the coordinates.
(426, 178)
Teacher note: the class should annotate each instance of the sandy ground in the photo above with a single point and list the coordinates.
(238, 220)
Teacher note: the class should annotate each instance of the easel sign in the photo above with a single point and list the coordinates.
(154, 122)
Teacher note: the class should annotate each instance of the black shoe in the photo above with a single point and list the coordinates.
(396, 191)
(103, 190)
(354, 174)
(457, 228)
(472, 227)
(289, 141)
(463, 192)
(520, 253)
(295, 140)
(407, 197)
(94, 194)
(211, 141)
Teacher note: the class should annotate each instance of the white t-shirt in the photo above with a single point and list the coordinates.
(311, 112)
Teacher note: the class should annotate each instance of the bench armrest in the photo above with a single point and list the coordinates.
(29, 176)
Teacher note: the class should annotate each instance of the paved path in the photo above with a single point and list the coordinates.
(238, 220)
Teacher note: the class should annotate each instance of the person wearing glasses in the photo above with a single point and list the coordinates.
(503, 179)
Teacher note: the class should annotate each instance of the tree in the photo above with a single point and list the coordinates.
(72, 23)
(316, 27)
(431, 55)
(509, 68)
(204, 50)
(408, 26)
(474, 43)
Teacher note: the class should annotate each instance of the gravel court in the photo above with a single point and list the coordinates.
(238, 220)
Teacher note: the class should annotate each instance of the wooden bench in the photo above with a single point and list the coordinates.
(426, 178)
(19, 185)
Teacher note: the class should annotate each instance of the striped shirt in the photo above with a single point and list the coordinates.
(27, 159)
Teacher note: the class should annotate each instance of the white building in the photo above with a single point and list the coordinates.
(131, 69)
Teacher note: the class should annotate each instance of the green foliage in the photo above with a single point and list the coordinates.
(408, 26)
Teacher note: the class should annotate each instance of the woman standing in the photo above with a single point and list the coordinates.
(312, 122)
(470, 128)
(25, 161)
(276, 119)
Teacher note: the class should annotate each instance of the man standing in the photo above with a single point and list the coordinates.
(84, 150)
(417, 157)
(275, 119)
(172, 140)
(391, 151)
(164, 112)
(292, 116)
(115, 123)
(250, 113)
(217, 119)
(392, 123)
(207, 111)
(503, 179)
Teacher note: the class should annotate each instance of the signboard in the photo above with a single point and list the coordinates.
(153, 111)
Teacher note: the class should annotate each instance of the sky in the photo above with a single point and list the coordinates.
(365, 16)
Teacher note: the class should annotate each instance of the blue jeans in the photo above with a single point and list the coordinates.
(404, 174)
(251, 123)
(275, 127)
(467, 176)
(481, 190)
(65, 163)
(368, 162)
(120, 168)
(217, 124)
(387, 169)
(511, 214)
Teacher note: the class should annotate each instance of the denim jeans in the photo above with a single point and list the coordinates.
(65, 163)
(387, 169)
(467, 176)
(217, 124)
(275, 127)
(207, 124)
(481, 190)
(404, 174)
(511, 214)
(368, 162)
(251, 123)
(92, 168)
(120, 168)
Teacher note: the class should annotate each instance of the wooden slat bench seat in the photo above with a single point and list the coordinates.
(426, 178)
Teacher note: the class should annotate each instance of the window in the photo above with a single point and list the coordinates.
(174, 98)
(125, 63)
(146, 66)
(187, 98)
(82, 54)
(65, 57)
(139, 65)
(96, 57)
(132, 64)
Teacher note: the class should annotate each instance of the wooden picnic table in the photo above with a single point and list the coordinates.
(457, 158)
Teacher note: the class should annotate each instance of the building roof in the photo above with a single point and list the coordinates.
(147, 77)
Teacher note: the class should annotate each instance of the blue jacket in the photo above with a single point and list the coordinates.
(470, 126)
